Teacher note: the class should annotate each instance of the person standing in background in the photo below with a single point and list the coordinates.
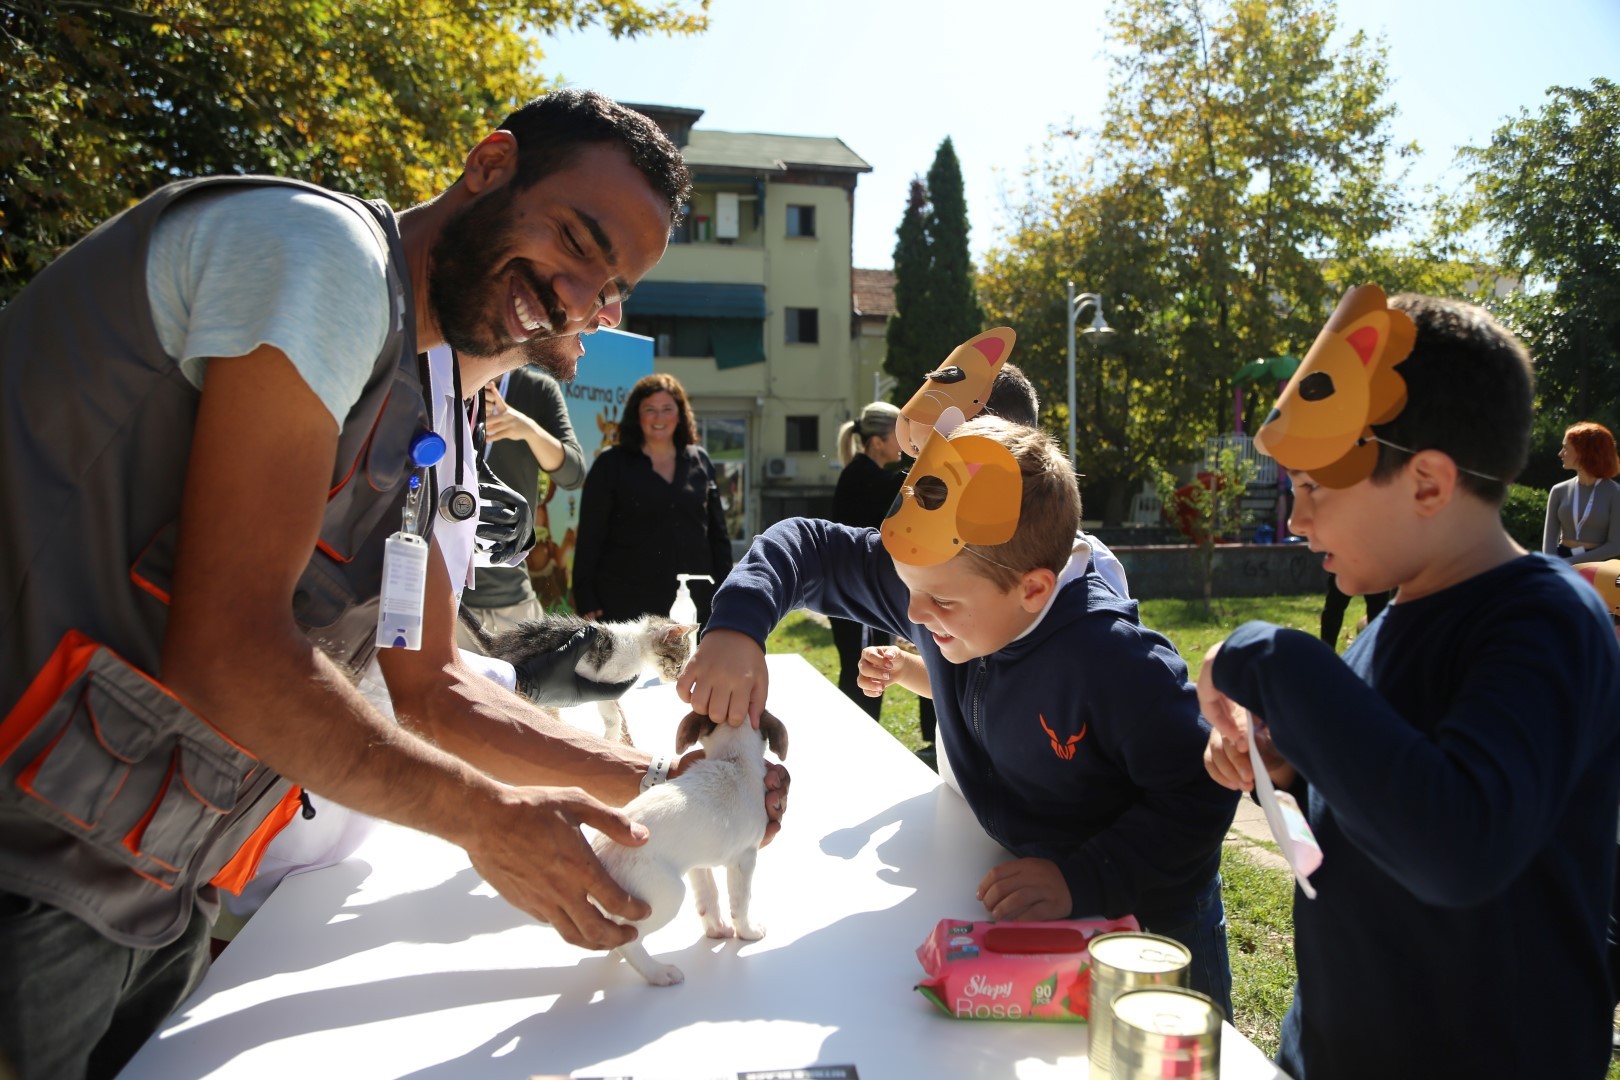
(866, 489)
(650, 510)
(1583, 514)
(526, 422)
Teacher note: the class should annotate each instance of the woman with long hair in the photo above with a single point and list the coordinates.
(650, 510)
(866, 489)
(1583, 513)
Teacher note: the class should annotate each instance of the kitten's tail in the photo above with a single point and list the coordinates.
(486, 644)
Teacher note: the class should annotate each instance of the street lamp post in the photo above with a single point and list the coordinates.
(1099, 325)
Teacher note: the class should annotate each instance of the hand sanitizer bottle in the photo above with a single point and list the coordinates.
(684, 610)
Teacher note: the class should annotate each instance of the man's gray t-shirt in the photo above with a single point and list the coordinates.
(232, 270)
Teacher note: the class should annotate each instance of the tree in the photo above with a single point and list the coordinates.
(935, 306)
(1239, 185)
(106, 101)
(1547, 190)
(1210, 508)
(905, 344)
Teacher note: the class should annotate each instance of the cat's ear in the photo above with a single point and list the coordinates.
(775, 733)
(673, 633)
(693, 726)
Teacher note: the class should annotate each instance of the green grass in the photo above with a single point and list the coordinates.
(1259, 900)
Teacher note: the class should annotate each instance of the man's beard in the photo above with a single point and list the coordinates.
(466, 287)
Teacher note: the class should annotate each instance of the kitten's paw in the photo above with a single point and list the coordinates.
(664, 975)
(750, 931)
(717, 929)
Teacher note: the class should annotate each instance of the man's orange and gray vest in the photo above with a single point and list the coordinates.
(117, 802)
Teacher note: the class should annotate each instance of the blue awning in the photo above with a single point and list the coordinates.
(698, 299)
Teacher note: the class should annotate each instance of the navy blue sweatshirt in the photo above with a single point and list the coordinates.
(1461, 767)
(1126, 811)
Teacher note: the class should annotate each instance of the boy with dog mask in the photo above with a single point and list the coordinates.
(1071, 727)
(1460, 766)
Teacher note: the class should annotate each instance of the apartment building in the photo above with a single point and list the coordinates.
(751, 308)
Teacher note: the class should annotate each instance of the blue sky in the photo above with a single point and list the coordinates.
(893, 78)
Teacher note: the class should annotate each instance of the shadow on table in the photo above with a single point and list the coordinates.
(807, 981)
(361, 926)
(580, 1031)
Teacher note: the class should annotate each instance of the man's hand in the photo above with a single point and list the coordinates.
(726, 679)
(531, 850)
(776, 795)
(1031, 889)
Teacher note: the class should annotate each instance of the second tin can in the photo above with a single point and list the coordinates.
(1166, 1033)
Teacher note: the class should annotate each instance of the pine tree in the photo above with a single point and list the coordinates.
(936, 308)
(953, 306)
(906, 336)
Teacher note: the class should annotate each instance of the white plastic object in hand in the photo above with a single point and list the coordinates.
(657, 773)
(1287, 821)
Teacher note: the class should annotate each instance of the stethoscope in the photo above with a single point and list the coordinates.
(458, 502)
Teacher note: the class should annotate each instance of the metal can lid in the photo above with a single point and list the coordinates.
(1130, 951)
(1167, 1010)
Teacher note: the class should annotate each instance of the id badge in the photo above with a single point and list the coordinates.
(404, 588)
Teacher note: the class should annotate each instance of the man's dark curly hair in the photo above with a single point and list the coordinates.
(551, 128)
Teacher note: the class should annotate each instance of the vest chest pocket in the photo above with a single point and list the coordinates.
(100, 750)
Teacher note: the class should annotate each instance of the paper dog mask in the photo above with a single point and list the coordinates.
(961, 383)
(963, 490)
(1323, 421)
(1605, 578)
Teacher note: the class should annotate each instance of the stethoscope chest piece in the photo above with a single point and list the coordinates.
(457, 503)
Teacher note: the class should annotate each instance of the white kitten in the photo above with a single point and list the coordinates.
(713, 814)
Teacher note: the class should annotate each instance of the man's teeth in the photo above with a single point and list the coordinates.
(530, 323)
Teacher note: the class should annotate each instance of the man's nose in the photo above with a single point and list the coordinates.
(581, 305)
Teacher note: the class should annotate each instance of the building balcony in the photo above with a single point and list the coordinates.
(722, 264)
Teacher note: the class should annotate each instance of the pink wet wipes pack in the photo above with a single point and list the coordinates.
(1013, 970)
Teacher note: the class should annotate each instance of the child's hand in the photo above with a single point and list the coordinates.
(726, 679)
(1220, 710)
(1233, 769)
(879, 666)
(1226, 764)
(1031, 889)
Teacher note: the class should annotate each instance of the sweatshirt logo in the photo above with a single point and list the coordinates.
(1065, 749)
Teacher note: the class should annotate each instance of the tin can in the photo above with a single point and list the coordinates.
(1165, 1032)
(1121, 962)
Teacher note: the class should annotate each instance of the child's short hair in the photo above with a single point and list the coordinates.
(1594, 448)
(1468, 395)
(1050, 514)
(1013, 397)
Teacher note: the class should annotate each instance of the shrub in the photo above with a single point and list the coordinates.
(1524, 512)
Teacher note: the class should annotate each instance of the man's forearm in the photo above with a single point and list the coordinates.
(515, 741)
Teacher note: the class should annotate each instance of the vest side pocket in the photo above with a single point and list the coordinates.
(198, 793)
(116, 760)
(83, 768)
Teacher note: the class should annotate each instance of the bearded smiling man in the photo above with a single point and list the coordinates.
(207, 416)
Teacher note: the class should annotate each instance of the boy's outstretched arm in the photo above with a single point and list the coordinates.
(726, 679)
(1226, 756)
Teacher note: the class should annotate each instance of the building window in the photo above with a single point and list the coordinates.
(803, 327)
(803, 435)
(801, 221)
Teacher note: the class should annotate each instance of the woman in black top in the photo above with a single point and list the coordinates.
(865, 492)
(650, 510)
